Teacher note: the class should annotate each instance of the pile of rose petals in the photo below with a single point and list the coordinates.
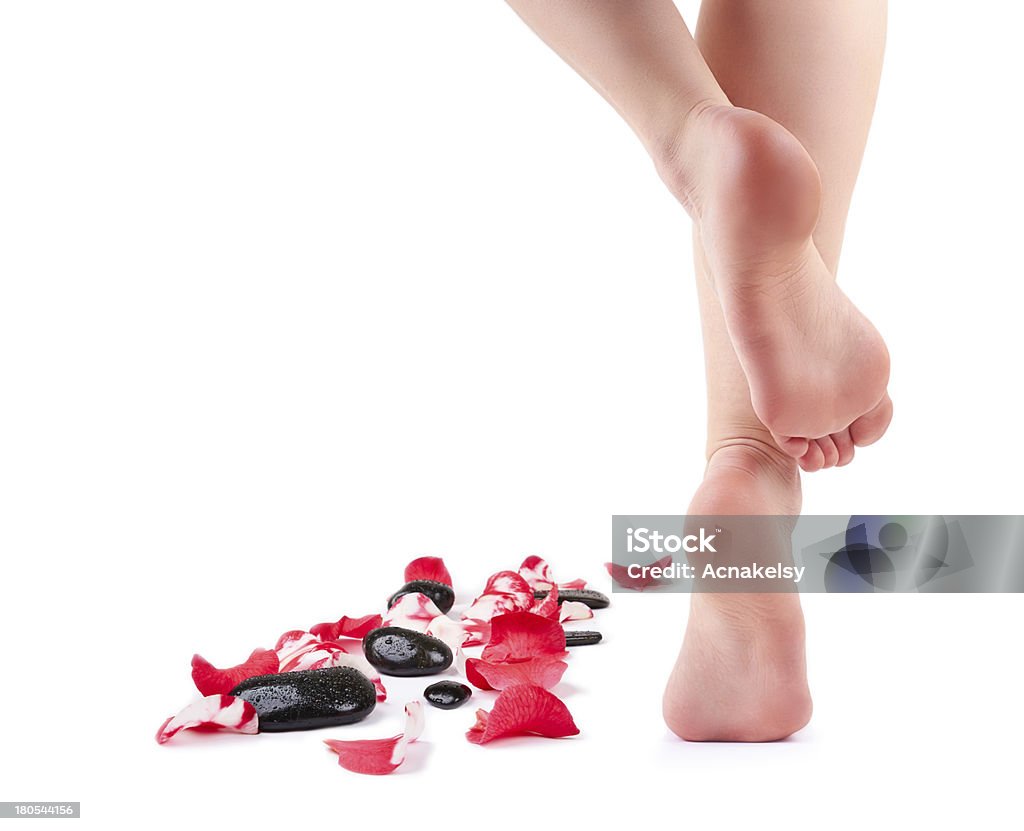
(325, 645)
(522, 659)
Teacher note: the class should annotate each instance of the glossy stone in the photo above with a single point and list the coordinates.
(309, 699)
(579, 637)
(588, 597)
(442, 595)
(447, 694)
(397, 651)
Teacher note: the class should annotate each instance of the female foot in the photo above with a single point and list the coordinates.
(741, 673)
(816, 367)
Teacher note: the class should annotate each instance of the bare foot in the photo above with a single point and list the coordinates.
(741, 674)
(837, 449)
(816, 367)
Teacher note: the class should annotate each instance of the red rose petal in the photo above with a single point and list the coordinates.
(620, 574)
(346, 627)
(545, 671)
(520, 636)
(214, 712)
(524, 708)
(428, 568)
(380, 756)
(212, 681)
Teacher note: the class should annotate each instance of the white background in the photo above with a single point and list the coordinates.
(294, 292)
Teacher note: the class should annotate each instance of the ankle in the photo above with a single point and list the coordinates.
(678, 153)
(766, 618)
(759, 460)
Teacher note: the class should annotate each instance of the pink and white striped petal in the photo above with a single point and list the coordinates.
(214, 712)
(477, 632)
(512, 584)
(452, 632)
(412, 611)
(506, 591)
(293, 642)
(488, 606)
(538, 574)
(309, 653)
(574, 610)
(548, 605)
(377, 757)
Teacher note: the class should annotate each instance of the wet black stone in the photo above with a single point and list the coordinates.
(447, 694)
(578, 637)
(588, 597)
(442, 594)
(397, 651)
(309, 699)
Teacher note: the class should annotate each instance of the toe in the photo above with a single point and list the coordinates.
(844, 444)
(829, 451)
(870, 427)
(791, 446)
(813, 459)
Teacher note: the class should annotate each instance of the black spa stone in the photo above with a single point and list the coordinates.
(443, 595)
(588, 597)
(397, 651)
(447, 694)
(308, 699)
(579, 637)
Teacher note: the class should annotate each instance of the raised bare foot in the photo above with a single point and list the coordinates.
(741, 674)
(816, 367)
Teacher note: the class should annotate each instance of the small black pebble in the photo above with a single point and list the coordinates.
(397, 651)
(447, 694)
(588, 597)
(581, 638)
(442, 594)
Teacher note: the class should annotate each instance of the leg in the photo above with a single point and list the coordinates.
(741, 672)
(749, 650)
(813, 363)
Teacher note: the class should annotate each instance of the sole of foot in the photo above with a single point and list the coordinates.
(816, 367)
(741, 673)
